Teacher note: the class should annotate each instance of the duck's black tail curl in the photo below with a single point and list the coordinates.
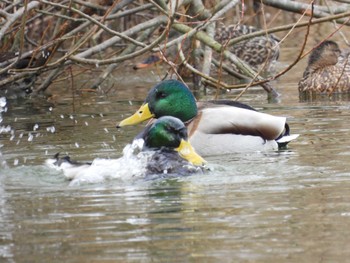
(285, 137)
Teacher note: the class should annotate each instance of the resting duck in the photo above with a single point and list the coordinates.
(256, 52)
(28, 61)
(328, 70)
(21, 87)
(165, 150)
(214, 127)
(170, 55)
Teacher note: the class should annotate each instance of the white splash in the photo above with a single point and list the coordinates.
(51, 129)
(30, 137)
(3, 129)
(131, 165)
(2, 103)
(2, 106)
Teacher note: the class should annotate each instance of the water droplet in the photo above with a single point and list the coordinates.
(62, 116)
(130, 102)
(77, 145)
(106, 130)
(2, 102)
(86, 123)
(51, 129)
(3, 164)
(5, 129)
(15, 162)
(30, 137)
(36, 126)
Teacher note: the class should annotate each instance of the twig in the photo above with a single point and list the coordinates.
(335, 24)
(48, 80)
(131, 48)
(15, 16)
(287, 27)
(302, 47)
(94, 21)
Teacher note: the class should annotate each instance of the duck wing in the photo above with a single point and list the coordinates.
(227, 119)
(232, 103)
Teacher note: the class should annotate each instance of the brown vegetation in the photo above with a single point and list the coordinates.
(47, 38)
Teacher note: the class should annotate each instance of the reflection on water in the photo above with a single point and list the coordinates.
(316, 97)
(289, 205)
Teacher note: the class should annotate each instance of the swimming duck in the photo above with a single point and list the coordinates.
(256, 52)
(173, 152)
(214, 127)
(165, 150)
(327, 71)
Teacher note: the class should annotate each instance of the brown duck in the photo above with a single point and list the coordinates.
(258, 52)
(328, 70)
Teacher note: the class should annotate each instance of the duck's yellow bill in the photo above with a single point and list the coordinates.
(141, 115)
(187, 152)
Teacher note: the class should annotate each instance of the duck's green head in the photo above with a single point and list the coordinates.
(168, 98)
(169, 132)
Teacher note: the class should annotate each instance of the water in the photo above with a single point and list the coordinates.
(291, 205)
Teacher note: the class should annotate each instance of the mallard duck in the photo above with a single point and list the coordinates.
(256, 52)
(21, 87)
(214, 127)
(168, 137)
(164, 150)
(28, 61)
(327, 71)
(170, 55)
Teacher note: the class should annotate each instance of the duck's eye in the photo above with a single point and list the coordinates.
(161, 95)
(168, 128)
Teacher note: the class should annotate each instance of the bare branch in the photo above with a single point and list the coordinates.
(11, 19)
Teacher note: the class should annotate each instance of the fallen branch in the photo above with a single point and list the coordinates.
(12, 18)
